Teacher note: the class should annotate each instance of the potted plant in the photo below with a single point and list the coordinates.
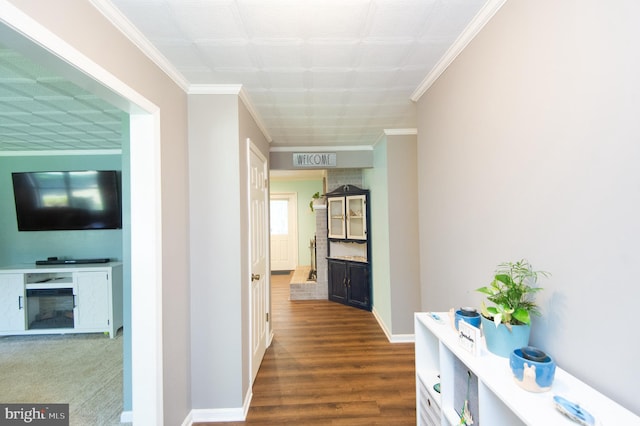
(313, 198)
(507, 324)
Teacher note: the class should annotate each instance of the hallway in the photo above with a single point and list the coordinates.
(330, 365)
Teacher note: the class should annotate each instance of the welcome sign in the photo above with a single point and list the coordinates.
(314, 159)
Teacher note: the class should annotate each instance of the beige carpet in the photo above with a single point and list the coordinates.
(83, 370)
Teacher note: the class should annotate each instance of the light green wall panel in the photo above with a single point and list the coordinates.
(306, 218)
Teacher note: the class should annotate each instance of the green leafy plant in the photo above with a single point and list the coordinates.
(512, 292)
(313, 197)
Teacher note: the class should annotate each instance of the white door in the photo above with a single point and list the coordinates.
(283, 230)
(259, 233)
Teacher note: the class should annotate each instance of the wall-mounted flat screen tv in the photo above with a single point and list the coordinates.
(68, 200)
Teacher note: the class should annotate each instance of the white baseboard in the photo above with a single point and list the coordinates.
(220, 414)
(393, 338)
(126, 417)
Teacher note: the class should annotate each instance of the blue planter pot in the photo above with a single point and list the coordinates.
(502, 341)
(532, 375)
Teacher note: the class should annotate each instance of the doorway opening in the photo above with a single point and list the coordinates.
(284, 231)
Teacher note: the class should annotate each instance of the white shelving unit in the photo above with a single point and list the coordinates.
(90, 299)
(497, 399)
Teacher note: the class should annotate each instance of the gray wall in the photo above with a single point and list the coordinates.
(361, 158)
(219, 126)
(394, 222)
(528, 148)
(81, 26)
(402, 203)
(216, 329)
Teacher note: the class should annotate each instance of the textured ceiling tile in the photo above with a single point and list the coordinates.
(183, 55)
(207, 20)
(378, 55)
(333, 54)
(402, 18)
(288, 97)
(226, 56)
(374, 79)
(317, 71)
(286, 80)
(249, 78)
(322, 21)
(331, 80)
(279, 56)
(154, 18)
(272, 19)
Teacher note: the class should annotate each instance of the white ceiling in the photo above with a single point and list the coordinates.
(40, 111)
(316, 72)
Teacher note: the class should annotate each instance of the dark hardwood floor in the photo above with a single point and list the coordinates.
(330, 365)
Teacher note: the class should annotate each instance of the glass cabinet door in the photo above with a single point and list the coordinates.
(356, 217)
(336, 218)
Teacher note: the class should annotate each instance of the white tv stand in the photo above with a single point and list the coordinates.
(52, 299)
(495, 397)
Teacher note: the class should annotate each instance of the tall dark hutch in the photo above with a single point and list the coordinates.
(349, 251)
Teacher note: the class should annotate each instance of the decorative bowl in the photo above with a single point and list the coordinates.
(533, 376)
(533, 354)
(471, 317)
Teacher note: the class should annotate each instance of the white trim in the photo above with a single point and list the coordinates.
(204, 415)
(146, 270)
(320, 148)
(126, 417)
(146, 236)
(395, 132)
(47, 153)
(470, 32)
(246, 100)
(397, 338)
(232, 89)
(403, 338)
(126, 27)
(400, 132)
(26, 26)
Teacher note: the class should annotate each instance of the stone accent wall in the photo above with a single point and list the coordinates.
(322, 250)
(300, 288)
(340, 177)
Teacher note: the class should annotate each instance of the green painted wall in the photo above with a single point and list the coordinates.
(306, 218)
(24, 248)
(376, 180)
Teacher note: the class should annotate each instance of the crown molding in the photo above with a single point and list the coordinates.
(320, 148)
(124, 25)
(400, 132)
(470, 32)
(232, 89)
(52, 153)
(246, 100)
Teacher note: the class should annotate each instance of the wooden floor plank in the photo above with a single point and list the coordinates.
(330, 364)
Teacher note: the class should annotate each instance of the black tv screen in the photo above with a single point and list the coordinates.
(68, 200)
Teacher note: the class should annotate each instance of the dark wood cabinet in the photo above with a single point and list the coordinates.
(349, 283)
(337, 280)
(349, 251)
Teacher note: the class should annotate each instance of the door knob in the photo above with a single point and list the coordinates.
(255, 277)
